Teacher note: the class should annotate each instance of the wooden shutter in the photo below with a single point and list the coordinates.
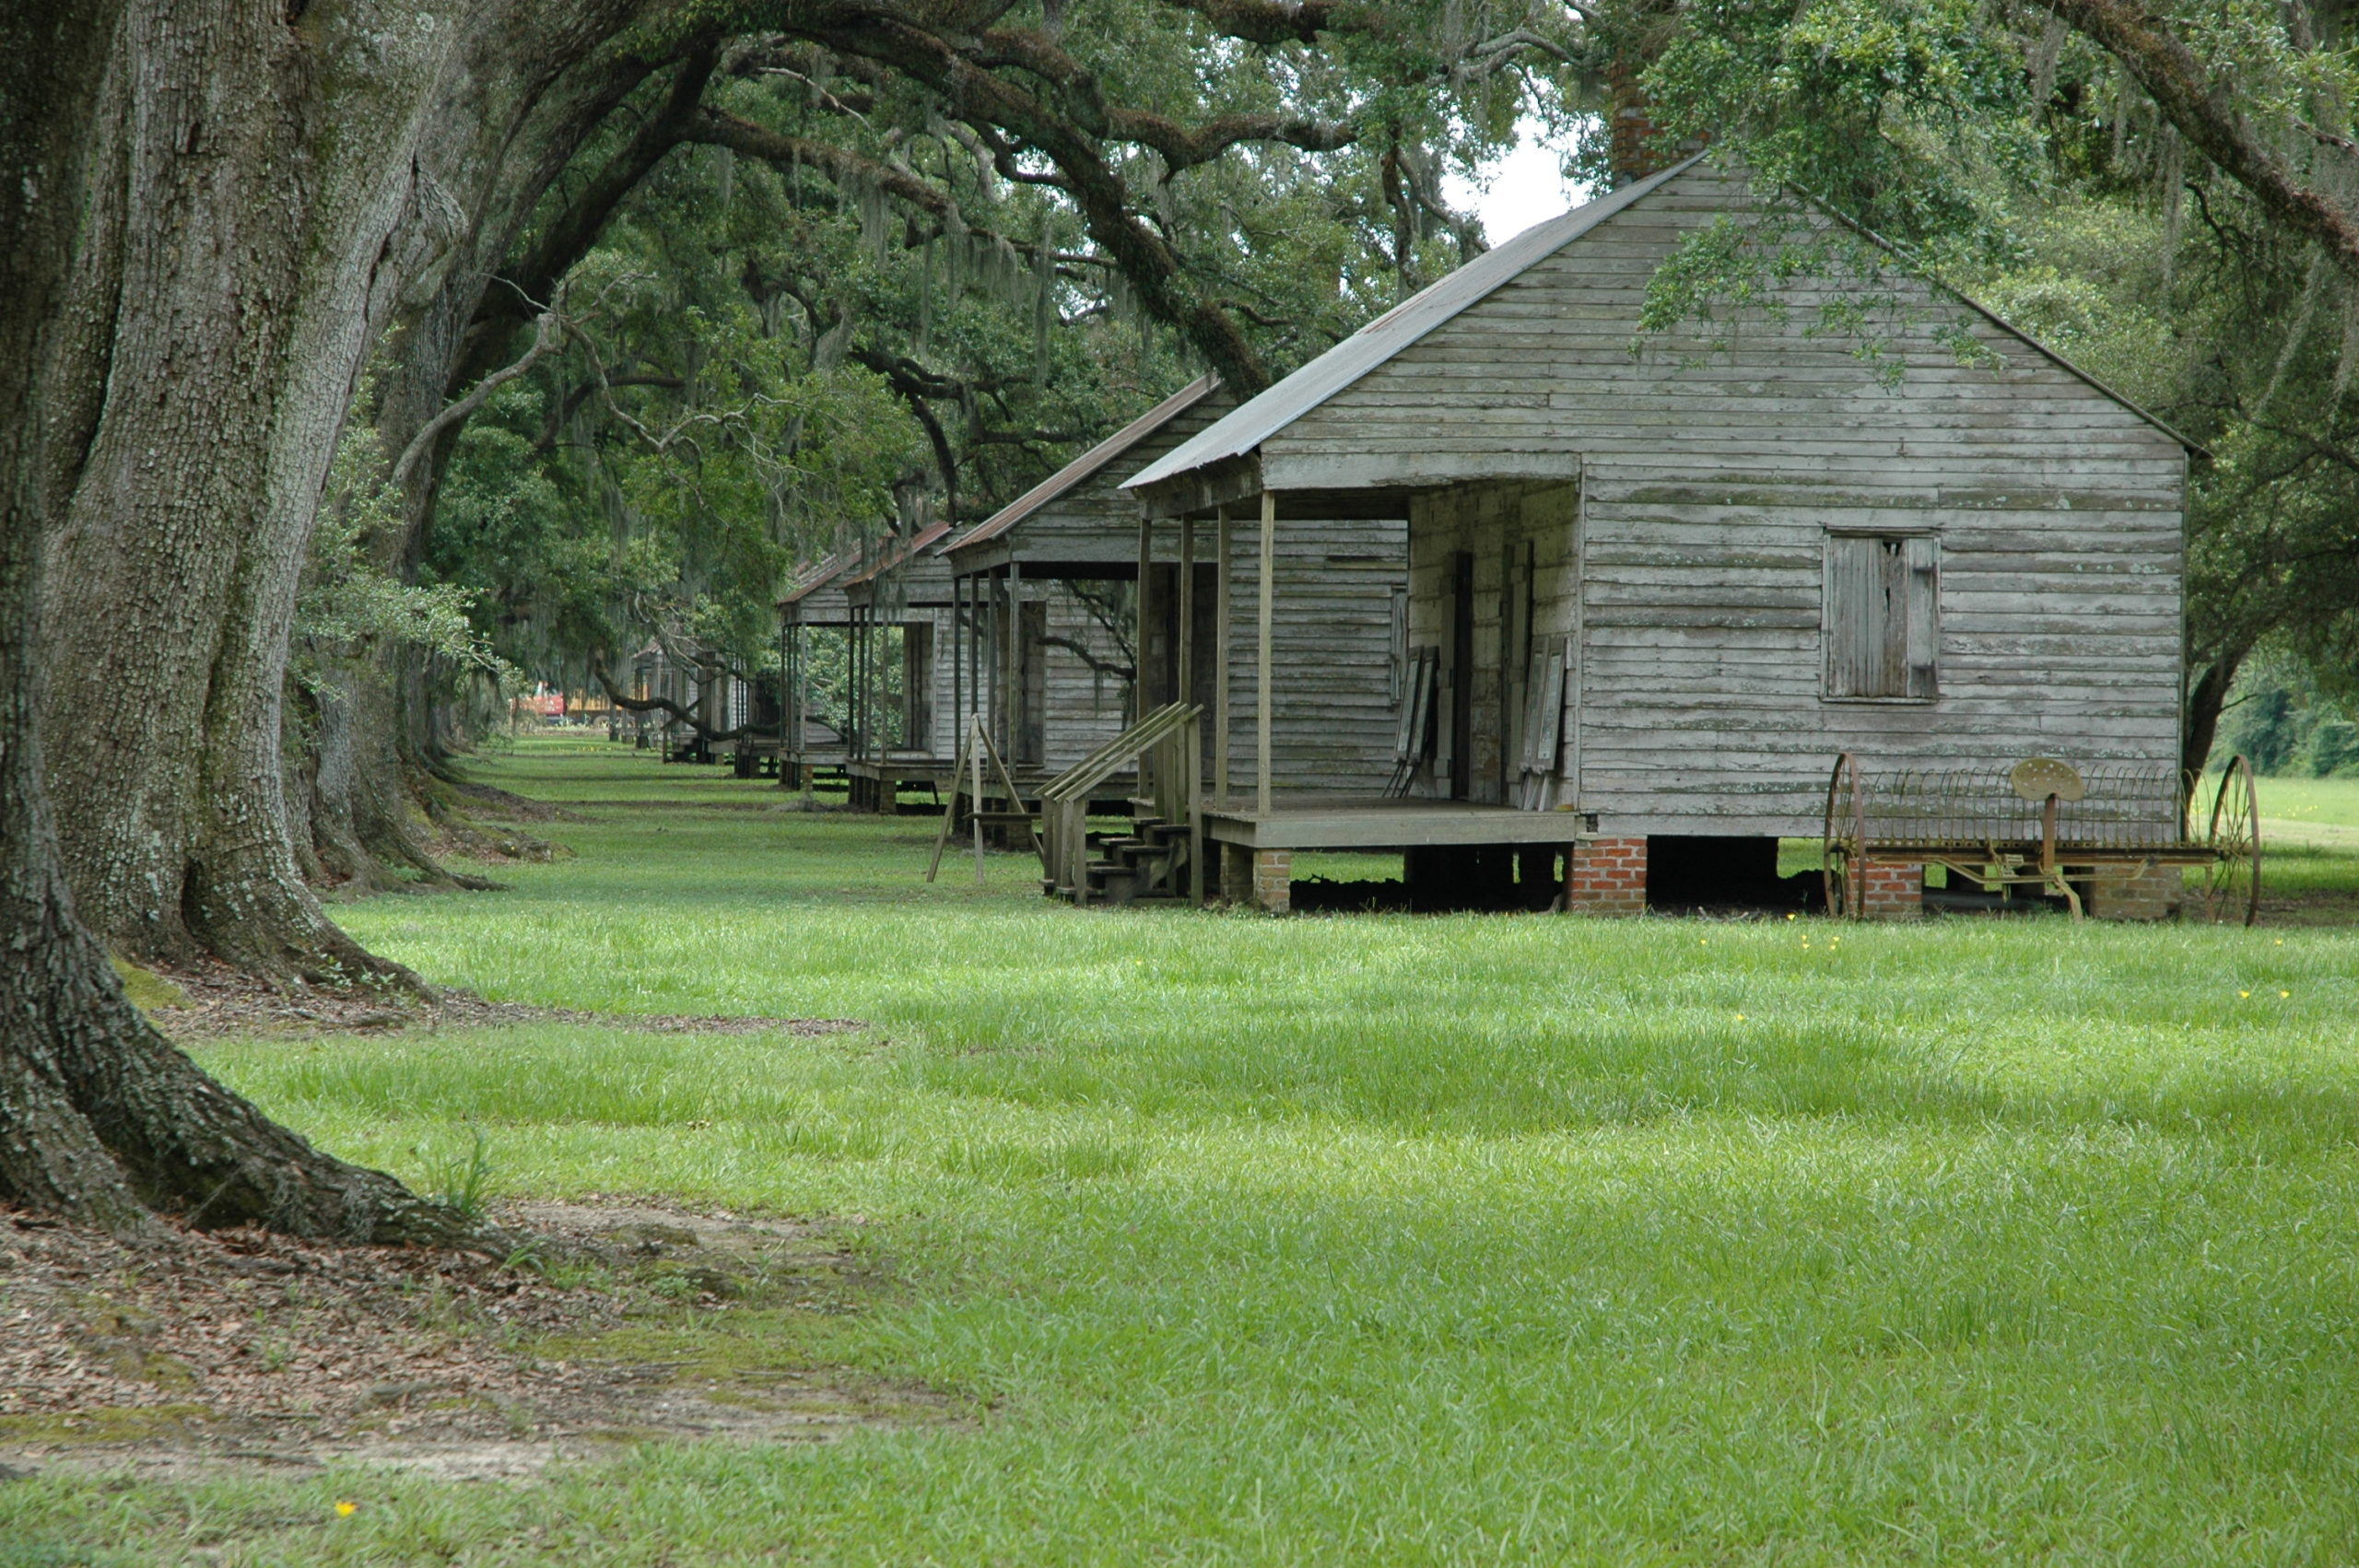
(1398, 647)
(1544, 707)
(1853, 616)
(1923, 601)
(1414, 736)
(916, 686)
(1881, 620)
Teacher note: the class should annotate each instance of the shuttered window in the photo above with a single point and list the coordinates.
(1880, 625)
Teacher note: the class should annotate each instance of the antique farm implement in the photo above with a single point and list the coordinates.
(2047, 827)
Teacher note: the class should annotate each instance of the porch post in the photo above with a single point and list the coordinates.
(1221, 636)
(1262, 660)
(1139, 703)
(1187, 652)
(1014, 704)
(957, 652)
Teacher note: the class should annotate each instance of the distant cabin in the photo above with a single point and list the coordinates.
(873, 617)
(1070, 552)
(700, 686)
(813, 612)
(906, 709)
(1658, 582)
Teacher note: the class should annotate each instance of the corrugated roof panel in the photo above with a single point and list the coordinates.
(1090, 464)
(811, 578)
(892, 558)
(1247, 426)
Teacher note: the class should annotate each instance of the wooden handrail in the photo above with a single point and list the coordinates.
(1172, 732)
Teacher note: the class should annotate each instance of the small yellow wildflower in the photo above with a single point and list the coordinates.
(1789, 917)
(2244, 993)
(344, 1510)
(1739, 1017)
(2284, 993)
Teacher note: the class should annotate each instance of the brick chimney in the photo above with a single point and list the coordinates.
(1636, 146)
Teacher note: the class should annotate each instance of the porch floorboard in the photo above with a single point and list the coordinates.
(1362, 822)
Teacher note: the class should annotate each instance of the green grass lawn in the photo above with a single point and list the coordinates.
(1386, 1239)
(2327, 808)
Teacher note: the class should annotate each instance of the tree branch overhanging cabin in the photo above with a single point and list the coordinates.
(1653, 592)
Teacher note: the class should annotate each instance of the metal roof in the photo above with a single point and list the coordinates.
(1090, 464)
(810, 580)
(894, 556)
(1247, 426)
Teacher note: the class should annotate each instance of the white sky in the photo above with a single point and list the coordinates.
(1525, 186)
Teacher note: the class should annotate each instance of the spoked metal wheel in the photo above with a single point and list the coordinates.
(2232, 886)
(1840, 850)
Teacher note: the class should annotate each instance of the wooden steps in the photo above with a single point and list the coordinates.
(1145, 866)
(1155, 860)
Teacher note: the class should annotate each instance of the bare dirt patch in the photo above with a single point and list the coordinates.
(241, 1348)
(215, 1002)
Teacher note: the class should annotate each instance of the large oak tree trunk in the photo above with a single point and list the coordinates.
(100, 1118)
(267, 197)
(365, 768)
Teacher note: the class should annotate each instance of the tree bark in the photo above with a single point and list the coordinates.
(266, 199)
(2208, 111)
(2206, 699)
(100, 1118)
(366, 762)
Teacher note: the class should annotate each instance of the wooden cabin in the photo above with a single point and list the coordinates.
(813, 611)
(906, 704)
(1071, 554)
(664, 672)
(1659, 582)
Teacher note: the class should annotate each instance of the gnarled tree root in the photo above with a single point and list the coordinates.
(104, 1121)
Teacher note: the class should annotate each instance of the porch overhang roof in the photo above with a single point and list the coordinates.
(1347, 485)
(994, 535)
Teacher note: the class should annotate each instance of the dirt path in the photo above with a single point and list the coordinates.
(216, 1002)
(247, 1350)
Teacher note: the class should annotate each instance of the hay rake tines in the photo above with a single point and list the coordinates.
(2042, 823)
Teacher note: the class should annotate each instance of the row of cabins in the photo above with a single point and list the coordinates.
(1558, 613)
(1030, 621)
(704, 689)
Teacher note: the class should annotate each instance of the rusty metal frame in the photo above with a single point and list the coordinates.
(1979, 824)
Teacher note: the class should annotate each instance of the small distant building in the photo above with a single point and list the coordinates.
(906, 696)
(812, 609)
(1658, 583)
(1103, 598)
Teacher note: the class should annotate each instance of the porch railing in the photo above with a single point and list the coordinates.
(1165, 746)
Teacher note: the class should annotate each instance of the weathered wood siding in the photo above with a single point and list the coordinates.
(1097, 521)
(1334, 662)
(824, 605)
(1709, 488)
(1074, 695)
(1085, 697)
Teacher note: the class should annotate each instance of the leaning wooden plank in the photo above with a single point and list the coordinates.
(950, 811)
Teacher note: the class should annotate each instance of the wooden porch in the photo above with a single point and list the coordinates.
(1373, 823)
(878, 779)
